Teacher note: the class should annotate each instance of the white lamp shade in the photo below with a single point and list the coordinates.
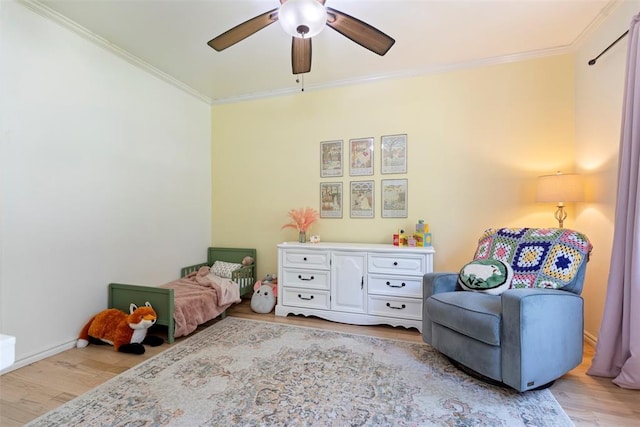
(560, 188)
(302, 18)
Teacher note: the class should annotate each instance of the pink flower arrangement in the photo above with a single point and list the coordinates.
(302, 218)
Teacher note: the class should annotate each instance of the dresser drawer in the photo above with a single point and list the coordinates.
(306, 279)
(397, 264)
(401, 286)
(307, 259)
(305, 298)
(405, 308)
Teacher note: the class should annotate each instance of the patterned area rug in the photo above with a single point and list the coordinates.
(248, 373)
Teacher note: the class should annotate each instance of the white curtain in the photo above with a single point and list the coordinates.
(618, 348)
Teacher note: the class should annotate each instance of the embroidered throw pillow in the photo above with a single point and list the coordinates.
(224, 269)
(491, 276)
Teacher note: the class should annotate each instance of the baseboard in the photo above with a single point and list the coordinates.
(590, 339)
(40, 356)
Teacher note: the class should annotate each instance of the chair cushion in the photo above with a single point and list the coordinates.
(486, 275)
(539, 257)
(473, 314)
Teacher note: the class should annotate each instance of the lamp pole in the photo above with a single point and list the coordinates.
(560, 214)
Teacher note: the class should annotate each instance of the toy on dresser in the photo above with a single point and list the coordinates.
(264, 295)
(420, 238)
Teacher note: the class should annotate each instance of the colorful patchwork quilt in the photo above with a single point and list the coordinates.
(540, 257)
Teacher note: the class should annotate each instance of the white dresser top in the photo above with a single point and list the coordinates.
(369, 247)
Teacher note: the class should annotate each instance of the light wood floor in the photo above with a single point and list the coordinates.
(33, 390)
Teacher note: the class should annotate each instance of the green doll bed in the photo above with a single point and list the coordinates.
(163, 299)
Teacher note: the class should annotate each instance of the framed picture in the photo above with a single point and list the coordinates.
(361, 200)
(330, 158)
(330, 200)
(394, 198)
(394, 154)
(361, 156)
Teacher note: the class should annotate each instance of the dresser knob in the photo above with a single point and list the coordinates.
(303, 278)
(395, 262)
(305, 298)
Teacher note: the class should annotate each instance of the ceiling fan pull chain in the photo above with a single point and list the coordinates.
(300, 80)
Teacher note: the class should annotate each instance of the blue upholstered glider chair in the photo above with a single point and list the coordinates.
(514, 314)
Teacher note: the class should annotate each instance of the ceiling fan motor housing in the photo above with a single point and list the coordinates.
(302, 18)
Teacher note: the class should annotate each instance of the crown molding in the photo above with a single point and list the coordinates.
(47, 12)
(444, 68)
(432, 69)
(595, 24)
(62, 20)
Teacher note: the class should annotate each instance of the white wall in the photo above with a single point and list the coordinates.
(599, 92)
(105, 177)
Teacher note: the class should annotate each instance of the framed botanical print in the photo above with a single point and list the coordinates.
(330, 158)
(394, 198)
(393, 150)
(361, 200)
(361, 156)
(330, 200)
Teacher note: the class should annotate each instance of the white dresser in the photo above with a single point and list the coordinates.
(357, 283)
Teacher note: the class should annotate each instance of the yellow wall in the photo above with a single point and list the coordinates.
(599, 98)
(477, 140)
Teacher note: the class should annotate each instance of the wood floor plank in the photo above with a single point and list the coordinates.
(33, 390)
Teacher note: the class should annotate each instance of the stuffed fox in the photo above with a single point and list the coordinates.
(125, 332)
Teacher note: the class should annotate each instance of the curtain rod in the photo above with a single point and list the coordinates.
(593, 61)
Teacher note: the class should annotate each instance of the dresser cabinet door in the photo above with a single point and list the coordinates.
(348, 277)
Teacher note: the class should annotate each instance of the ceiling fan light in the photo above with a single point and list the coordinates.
(302, 18)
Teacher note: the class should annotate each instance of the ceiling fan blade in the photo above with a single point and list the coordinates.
(360, 32)
(300, 55)
(244, 30)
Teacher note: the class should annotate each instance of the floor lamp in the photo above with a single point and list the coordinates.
(560, 188)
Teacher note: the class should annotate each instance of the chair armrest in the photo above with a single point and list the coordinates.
(434, 283)
(542, 336)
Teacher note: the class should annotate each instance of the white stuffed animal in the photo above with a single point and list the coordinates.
(264, 298)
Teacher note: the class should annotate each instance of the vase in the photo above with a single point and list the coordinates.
(302, 237)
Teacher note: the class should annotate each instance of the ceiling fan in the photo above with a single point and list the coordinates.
(304, 19)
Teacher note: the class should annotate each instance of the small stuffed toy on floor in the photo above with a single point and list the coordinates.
(268, 279)
(125, 332)
(264, 295)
